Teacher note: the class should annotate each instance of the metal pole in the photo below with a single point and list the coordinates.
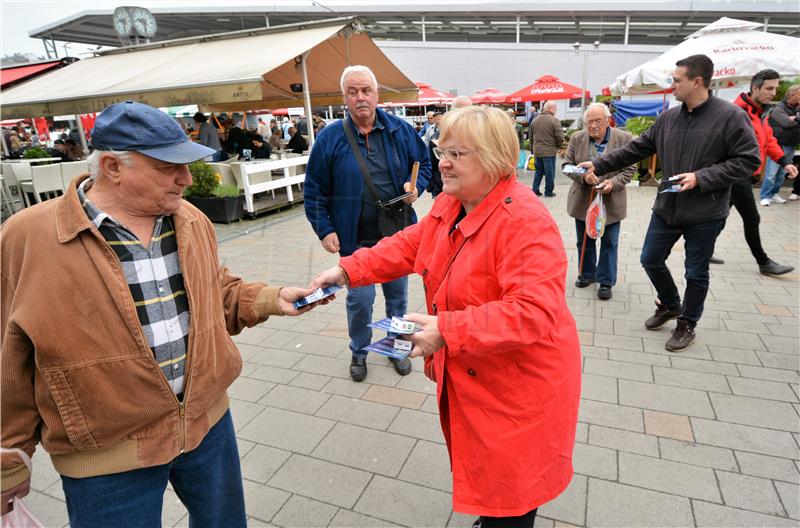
(517, 29)
(307, 94)
(766, 23)
(81, 133)
(6, 152)
(627, 27)
(583, 85)
(423, 29)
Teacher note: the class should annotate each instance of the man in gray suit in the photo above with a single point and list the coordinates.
(586, 145)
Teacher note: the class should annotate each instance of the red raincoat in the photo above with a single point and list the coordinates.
(508, 379)
(767, 144)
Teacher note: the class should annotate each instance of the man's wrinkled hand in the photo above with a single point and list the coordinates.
(606, 187)
(329, 277)
(791, 171)
(288, 296)
(429, 340)
(413, 198)
(20, 490)
(331, 243)
(590, 178)
(589, 166)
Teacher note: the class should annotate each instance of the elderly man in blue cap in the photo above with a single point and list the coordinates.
(116, 324)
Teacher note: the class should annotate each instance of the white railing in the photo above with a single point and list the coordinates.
(256, 177)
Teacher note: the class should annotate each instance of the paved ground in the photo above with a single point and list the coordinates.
(707, 437)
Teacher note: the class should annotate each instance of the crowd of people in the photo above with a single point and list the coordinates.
(497, 337)
(64, 144)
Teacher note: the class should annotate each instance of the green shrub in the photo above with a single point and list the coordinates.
(526, 145)
(566, 123)
(226, 191)
(638, 125)
(35, 152)
(204, 180)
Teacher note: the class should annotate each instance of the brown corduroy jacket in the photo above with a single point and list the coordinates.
(77, 372)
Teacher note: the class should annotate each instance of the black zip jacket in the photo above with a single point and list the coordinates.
(716, 141)
(786, 131)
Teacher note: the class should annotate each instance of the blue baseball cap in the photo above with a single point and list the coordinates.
(137, 127)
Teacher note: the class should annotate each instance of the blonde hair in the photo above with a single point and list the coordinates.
(487, 131)
(792, 89)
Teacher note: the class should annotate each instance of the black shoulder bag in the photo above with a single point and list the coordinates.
(393, 216)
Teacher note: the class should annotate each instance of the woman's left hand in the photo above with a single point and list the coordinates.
(429, 340)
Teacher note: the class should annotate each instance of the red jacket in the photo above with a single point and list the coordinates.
(767, 144)
(509, 376)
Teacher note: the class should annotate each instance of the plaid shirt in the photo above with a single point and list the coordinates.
(156, 285)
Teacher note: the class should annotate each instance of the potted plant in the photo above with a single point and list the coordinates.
(220, 203)
(35, 153)
(648, 167)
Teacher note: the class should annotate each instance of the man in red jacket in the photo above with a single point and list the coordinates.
(763, 86)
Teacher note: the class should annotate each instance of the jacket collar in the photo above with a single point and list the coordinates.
(478, 216)
(71, 218)
(748, 105)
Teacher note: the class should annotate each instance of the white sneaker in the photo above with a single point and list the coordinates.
(793, 197)
(765, 202)
(778, 200)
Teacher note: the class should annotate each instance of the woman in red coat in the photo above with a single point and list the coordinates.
(499, 339)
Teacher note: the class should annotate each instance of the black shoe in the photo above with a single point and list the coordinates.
(682, 336)
(582, 282)
(551, 195)
(604, 292)
(477, 523)
(402, 366)
(537, 193)
(662, 315)
(715, 260)
(773, 268)
(358, 367)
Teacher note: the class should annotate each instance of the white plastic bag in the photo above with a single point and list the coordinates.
(20, 516)
(596, 218)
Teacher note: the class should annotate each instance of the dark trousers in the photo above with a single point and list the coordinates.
(796, 186)
(604, 269)
(545, 167)
(523, 521)
(699, 246)
(744, 202)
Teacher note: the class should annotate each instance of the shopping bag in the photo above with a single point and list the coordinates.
(531, 162)
(20, 516)
(523, 156)
(596, 218)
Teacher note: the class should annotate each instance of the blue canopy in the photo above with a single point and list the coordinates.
(628, 109)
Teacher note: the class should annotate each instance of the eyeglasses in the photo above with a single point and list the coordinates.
(449, 153)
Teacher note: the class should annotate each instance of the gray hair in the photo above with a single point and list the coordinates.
(358, 68)
(461, 101)
(548, 105)
(792, 89)
(606, 111)
(124, 157)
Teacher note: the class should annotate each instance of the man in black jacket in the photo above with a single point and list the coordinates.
(786, 126)
(705, 145)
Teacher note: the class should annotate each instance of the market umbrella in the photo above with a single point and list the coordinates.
(489, 96)
(738, 48)
(546, 88)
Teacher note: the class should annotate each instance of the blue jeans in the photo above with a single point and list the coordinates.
(545, 166)
(603, 270)
(208, 480)
(774, 175)
(699, 240)
(359, 310)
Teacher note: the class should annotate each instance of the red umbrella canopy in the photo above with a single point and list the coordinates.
(546, 88)
(431, 96)
(489, 96)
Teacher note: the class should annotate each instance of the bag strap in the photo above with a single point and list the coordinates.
(22, 454)
(362, 165)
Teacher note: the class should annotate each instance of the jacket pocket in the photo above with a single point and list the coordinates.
(70, 411)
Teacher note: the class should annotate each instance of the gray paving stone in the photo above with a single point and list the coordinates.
(300, 512)
(779, 344)
(287, 430)
(644, 358)
(327, 482)
(714, 515)
(428, 465)
(690, 380)
(422, 425)
(790, 496)
(274, 374)
(582, 433)
(623, 440)
(698, 365)
(316, 344)
(367, 449)
(589, 351)
(617, 342)
(595, 461)
(570, 506)
(781, 361)
(261, 462)
(618, 369)
(600, 413)
(769, 467)
(744, 438)
(417, 382)
(351, 519)
(641, 507)
(599, 388)
(311, 381)
(261, 501)
(358, 412)
(48, 510)
(784, 330)
(754, 411)
(676, 400)
(671, 477)
(404, 503)
(697, 454)
(243, 412)
(345, 387)
(765, 373)
(750, 493)
(295, 399)
(731, 355)
(173, 511)
(324, 366)
(254, 336)
(430, 405)
(249, 389)
(770, 390)
(277, 357)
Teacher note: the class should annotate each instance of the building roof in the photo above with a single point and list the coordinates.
(17, 73)
(659, 22)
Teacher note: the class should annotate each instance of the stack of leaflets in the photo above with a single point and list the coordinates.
(317, 295)
(397, 348)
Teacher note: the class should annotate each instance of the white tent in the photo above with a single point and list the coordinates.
(738, 48)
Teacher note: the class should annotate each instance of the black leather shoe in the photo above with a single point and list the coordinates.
(715, 260)
(402, 366)
(358, 367)
(582, 282)
(604, 292)
(537, 193)
(551, 195)
(662, 315)
(773, 268)
(682, 336)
